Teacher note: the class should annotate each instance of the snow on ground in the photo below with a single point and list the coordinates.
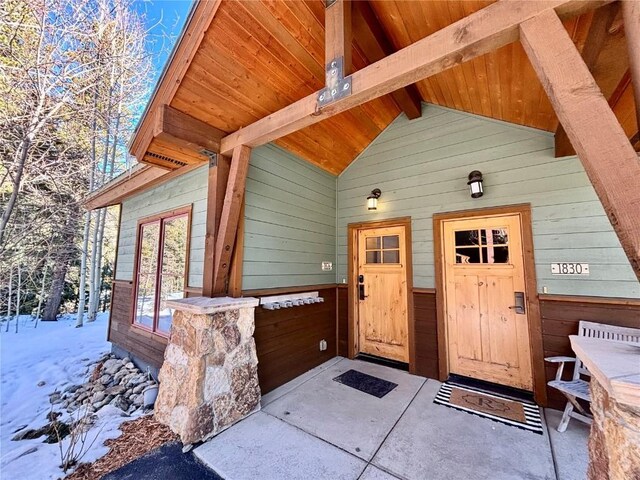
(58, 354)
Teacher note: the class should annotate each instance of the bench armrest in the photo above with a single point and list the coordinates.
(559, 359)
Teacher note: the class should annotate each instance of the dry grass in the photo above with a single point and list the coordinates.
(138, 437)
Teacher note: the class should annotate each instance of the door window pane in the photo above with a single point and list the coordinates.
(391, 256)
(174, 261)
(373, 243)
(147, 274)
(466, 237)
(468, 255)
(391, 241)
(496, 254)
(373, 256)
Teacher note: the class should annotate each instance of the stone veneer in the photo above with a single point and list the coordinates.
(209, 378)
(614, 442)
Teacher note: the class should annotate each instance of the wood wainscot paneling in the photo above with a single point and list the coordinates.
(288, 340)
(426, 336)
(145, 345)
(560, 317)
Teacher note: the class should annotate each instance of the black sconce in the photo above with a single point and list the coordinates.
(475, 184)
(372, 199)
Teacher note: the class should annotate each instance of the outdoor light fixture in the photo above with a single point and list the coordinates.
(372, 200)
(475, 184)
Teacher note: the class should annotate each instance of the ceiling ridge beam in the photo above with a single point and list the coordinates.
(481, 32)
(373, 40)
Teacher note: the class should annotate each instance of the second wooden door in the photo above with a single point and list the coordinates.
(486, 301)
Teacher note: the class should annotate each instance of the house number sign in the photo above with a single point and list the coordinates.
(569, 269)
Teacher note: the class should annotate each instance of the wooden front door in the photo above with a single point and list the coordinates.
(485, 300)
(382, 293)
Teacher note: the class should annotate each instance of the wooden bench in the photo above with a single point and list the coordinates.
(578, 386)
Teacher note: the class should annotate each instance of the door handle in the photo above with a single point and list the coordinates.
(519, 306)
(361, 291)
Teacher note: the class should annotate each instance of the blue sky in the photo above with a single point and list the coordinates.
(164, 19)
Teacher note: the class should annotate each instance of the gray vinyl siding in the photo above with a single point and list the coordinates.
(188, 189)
(290, 221)
(421, 167)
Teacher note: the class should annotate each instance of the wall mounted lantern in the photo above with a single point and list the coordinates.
(475, 184)
(372, 199)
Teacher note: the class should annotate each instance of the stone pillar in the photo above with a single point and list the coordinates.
(209, 378)
(614, 442)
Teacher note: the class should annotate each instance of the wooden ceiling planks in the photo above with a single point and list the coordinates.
(259, 56)
(501, 84)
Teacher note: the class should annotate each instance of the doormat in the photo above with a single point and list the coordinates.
(520, 414)
(366, 383)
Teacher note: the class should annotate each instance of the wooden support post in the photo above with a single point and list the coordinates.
(338, 38)
(226, 235)
(472, 36)
(235, 276)
(606, 154)
(217, 186)
(603, 18)
(631, 16)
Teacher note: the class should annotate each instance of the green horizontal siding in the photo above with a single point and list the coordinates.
(421, 167)
(188, 189)
(290, 221)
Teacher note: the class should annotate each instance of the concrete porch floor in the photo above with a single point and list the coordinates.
(315, 428)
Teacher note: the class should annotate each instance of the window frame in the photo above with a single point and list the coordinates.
(161, 219)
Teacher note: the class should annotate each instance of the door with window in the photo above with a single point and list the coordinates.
(485, 300)
(161, 269)
(382, 293)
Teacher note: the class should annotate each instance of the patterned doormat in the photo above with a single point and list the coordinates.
(366, 383)
(517, 413)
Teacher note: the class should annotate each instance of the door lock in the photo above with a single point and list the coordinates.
(361, 291)
(519, 306)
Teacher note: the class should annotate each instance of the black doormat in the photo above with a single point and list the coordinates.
(366, 383)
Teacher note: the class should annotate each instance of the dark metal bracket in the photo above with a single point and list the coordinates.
(328, 3)
(336, 85)
(213, 157)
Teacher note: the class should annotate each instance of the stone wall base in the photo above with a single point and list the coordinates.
(209, 378)
(614, 442)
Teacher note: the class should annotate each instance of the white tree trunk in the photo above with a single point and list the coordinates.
(83, 269)
(44, 278)
(9, 299)
(18, 297)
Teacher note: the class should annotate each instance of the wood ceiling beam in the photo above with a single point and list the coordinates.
(184, 131)
(229, 218)
(479, 33)
(631, 16)
(375, 45)
(602, 145)
(216, 189)
(182, 55)
(603, 18)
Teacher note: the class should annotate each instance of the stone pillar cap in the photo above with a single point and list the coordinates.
(207, 305)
